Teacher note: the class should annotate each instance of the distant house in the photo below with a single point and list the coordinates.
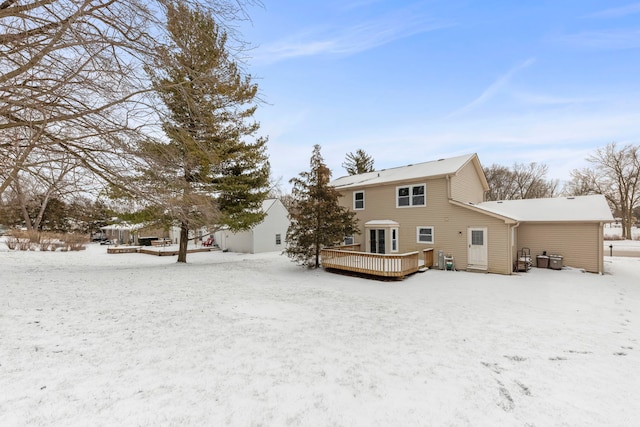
(439, 205)
(132, 234)
(267, 236)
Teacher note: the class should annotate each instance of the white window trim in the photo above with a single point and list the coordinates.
(394, 241)
(418, 235)
(354, 200)
(411, 187)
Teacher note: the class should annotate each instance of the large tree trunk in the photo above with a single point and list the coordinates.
(23, 206)
(184, 241)
(627, 221)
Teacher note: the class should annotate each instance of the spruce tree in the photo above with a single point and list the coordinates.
(207, 174)
(358, 162)
(317, 219)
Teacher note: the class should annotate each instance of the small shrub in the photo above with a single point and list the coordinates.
(612, 237)
(74, 242)
(46, 241)
(23, 240)
(12, 242)
(33, 239)
(24, 244)
(50, 241)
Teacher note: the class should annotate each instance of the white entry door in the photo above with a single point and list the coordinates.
(477, 252)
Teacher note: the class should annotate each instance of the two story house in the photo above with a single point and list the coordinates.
(440, 205)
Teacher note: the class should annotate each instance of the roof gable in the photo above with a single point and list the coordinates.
(431, 169)
(267, 203)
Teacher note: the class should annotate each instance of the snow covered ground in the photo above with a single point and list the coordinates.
(91, 339)
(621, 247)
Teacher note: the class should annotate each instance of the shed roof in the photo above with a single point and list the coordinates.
(124, 226)
(267, 203)
(431, 169)
(592, 208)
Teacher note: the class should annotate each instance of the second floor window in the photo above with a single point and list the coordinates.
(411, 195)
(358, 200)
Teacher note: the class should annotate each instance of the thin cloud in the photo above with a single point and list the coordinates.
(494, 88)
(351, 40)
(541, 99)
(617, 12)
(359, 4)
(605, 40)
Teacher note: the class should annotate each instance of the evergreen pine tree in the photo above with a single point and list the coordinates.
(207, 174)
(317, 219)
(358, 162)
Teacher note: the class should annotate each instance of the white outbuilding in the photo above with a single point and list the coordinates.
(267, 236)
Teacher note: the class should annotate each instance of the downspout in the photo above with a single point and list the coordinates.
(448, 178)
(601, 249)
(512, 244)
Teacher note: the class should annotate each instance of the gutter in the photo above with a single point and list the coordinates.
(506, 219)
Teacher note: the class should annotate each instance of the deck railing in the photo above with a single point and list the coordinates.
(387, 265)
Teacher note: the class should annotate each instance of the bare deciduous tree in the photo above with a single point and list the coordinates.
(72, 80)
(521, 182)
(616, 175)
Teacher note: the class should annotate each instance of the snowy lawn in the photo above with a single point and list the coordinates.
(90, 339)
(622, 247)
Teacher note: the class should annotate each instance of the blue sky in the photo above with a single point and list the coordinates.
(412, 81)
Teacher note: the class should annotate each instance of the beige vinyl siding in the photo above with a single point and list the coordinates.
(449, 222)
(466, 186)
(513, 239)
(498, 250)
(581, 245)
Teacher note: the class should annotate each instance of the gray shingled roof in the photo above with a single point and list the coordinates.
(563, 209)
(430, 169)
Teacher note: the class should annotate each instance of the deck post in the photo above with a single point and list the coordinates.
(427, 256)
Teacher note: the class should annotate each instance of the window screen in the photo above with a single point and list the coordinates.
(477, 237)
(418, 195)
(358, 200)
(425, 234)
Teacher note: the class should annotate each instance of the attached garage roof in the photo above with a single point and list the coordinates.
(562, 209)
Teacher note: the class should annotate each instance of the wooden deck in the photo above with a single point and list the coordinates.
(384, 265)
(172, 252)
(154, 250)
(123, 249)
